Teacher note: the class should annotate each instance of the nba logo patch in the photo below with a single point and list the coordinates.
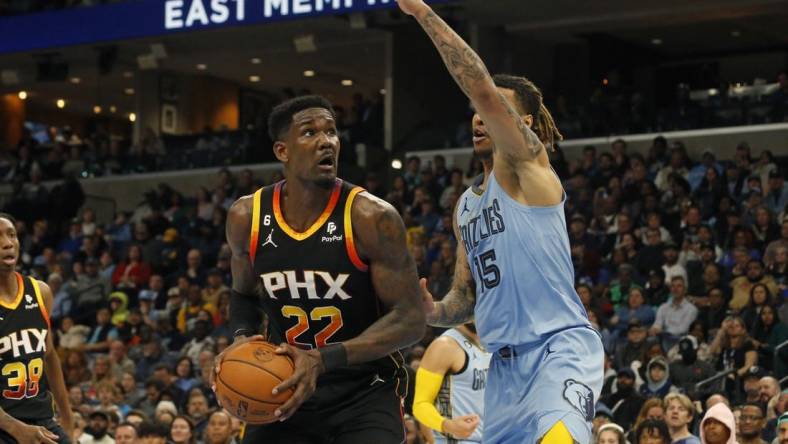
(243, 407)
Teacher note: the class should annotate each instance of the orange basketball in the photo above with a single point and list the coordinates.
(247, 374)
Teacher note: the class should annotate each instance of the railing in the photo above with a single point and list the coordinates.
(777, 351)
(719, 376)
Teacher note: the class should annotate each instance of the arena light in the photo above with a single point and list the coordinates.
(132, 117)
(254, 79)
(309, 73)
(202, 67)
(128, 74)
(128, 91)
(383, 91)
(60, 103)
(97, 109)
(113, 109)
(656, 41)
(75, 80)
(22, 95)
(396, 164)
(347, 82)
(735, 33)
(255, 61)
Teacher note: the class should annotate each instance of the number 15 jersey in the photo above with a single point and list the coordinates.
(521, 264)
(314, 287)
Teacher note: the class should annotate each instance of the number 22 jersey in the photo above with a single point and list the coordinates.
(314, 287)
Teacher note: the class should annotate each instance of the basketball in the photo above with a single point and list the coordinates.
(247, 375)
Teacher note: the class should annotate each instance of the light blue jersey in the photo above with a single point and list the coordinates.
(520, 260)
(547, 363)
(462, 393)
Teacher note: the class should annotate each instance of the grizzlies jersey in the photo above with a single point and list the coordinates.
(24, 326)
(520, 260)
(314, 287)
(462, 393)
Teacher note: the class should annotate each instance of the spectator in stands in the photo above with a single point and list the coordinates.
(672, 267)
(635, 345)
(752, 421)
(679, 414)
(768, 390)
(733, 348)
(689, 370)
(742, 286)
(98, 429)
(102, 334)
(120, 361)
(182, 430)
(626, 401)
(200, 341)
(185, 374)
(656, 291)
(131, 394)
(658, 382)
(610, 434)
(153, 392)
(768, 333)
(718, 426)
(652, 431)
(777, 197)
(219, 429)
(75, 368)
(197, 409)
(675, 316)
(153, 433)
(635, 308)
(126, 433)
(194, 270)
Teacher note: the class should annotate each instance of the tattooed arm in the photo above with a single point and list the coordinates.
(457, 305)
(381, 242)
(510, 133)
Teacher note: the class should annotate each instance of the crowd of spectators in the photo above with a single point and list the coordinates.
(680, 264)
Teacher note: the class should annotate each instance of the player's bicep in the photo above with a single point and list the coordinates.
(442, 356)
(238, 231)
(381, 236)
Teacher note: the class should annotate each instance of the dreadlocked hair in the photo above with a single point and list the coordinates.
(529, 100)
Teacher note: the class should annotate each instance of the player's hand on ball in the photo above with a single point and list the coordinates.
(411, 7)
(308, 366)
(428, 304)
(217, 362)
(35, 435)
(461, 427)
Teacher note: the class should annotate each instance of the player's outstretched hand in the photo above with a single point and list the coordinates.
(217, 362)
(34, 435)
(461, 427)
(411, 7)
(427, 302)
(308, 366)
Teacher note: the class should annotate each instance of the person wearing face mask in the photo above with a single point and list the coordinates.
(626, 402)
(718, 426)
(689, 370)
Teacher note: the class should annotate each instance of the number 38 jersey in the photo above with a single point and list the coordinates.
(520, 260)
(314, 287)
(24, 325)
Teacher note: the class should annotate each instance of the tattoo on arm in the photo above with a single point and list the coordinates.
(532, 142)
(463, 63)
(458, 304)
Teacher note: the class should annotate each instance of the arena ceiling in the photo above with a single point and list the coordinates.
(681, 28)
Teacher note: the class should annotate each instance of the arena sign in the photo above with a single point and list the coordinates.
(142, 18)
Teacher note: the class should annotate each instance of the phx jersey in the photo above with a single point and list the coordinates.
(315, 288)
(24, 325)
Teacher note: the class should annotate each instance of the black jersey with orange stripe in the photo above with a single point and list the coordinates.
(24, 326)
(314, 287)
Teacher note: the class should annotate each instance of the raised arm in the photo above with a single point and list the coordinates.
(511, 135)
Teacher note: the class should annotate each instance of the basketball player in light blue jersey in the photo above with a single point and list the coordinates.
(514, 272)
(450, 385)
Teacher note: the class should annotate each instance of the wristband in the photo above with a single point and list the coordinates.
(245, 316)
(334, 356)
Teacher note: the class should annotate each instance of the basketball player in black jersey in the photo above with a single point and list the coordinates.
(29, 365)
(328, 264)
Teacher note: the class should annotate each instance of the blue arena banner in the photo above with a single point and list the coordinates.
(141, 18)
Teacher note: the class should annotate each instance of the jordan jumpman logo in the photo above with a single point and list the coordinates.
(268, 240)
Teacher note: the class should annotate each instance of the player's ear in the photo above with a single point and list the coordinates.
(280, 151)
(529, 120)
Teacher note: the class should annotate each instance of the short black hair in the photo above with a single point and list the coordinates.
(153, 429)
(758, 405)
(282, 115)
(12, 219)
(653, 425)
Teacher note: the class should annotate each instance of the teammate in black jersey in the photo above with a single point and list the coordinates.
(328, 264)
(29, 365)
